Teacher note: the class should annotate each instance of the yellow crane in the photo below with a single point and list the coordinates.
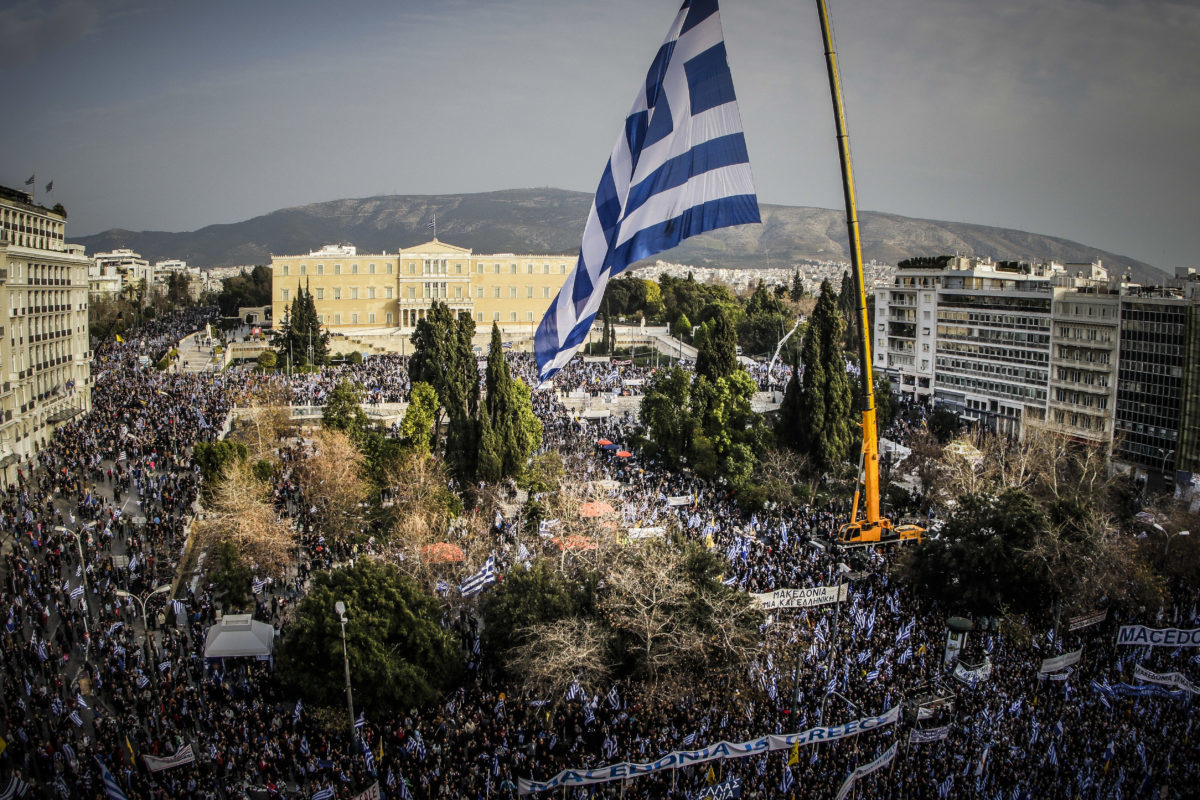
(871, 528)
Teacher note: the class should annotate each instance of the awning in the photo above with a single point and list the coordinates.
(239, 635)
(65, 414)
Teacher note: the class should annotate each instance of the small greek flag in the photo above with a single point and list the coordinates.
(575, 692)
(259, 585)
(690, 739)
(116, 626)
(361, 721)
(872, 676)
(296, 713)
(164, 666)
(111, 787)
(485, 577)
(589, 716)
(614, 700)
(788, 781)
(79, 702)
(143, 681)
(177, 606)
(323, 794)
(74, 717)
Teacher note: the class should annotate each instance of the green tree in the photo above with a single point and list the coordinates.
(248, 289)
(526, 598)
(343, 410)
(716, 350)
(682, 328)
(231, 575)
(179, 293)
(301, 332)
(665, 411)
(419, 418)
(212, 457)
(267, 359)
(514, 429)
(443, 357)
(400, 655)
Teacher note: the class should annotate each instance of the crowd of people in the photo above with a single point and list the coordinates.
(99, 672)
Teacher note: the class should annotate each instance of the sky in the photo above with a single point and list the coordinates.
(1071, 118)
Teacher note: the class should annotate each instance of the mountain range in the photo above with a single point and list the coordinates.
(550, 220)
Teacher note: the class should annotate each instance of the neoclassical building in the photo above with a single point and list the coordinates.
(353, 291)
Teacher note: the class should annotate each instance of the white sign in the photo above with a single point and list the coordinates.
(1158, 637)
(878, 763)
(801, 598)
(1058, 662)
(916, 736)
(371, 793)
(680, 500)
(1086, 620)
(1176, 679)
(182, 756)
(646, 533)
(972, 676)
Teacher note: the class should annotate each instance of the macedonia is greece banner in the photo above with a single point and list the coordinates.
(1176, 679)
(721, 750)
(878, 763)
(182, 756)
(1158, 637)
(679, 168)
(801, 598)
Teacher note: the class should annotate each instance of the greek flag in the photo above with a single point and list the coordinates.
(872, 676)
(788, 780)
(678, 169)
(361, 721)
(614, 700)
(77, 592)
(481, 579)
(690, 739)
(111, 787)
(259, 585)
(116, 626)
(14, 788)
(296, 713)
(323, 794)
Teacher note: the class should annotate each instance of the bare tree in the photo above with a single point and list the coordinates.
(239, 512)
(552, 656)
(260, 427)
(333, 482)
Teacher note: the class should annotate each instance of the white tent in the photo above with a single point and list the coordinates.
(239, 635)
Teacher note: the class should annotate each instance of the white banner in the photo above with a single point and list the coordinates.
(182, 756)
(882, 761)
(647, 533)
(801, 598)
(680, 500)
(1058, 662)
(761, 745)
(370, 793)
(1086, 620)
(1176, 679)
(916, 736)
(1158, 637)
(974, 675)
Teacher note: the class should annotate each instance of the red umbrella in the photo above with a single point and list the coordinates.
(574, 543)
(442, 553)
(600, 442)
(624, 454)
(596, 509)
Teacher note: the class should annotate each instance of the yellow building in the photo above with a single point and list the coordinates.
(44, 357)
(356, 293)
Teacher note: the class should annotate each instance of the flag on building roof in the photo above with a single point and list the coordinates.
(32, 179)
(679, 168)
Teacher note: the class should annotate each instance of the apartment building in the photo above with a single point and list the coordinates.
(353, 291)
(1083, 360)
(44, 357)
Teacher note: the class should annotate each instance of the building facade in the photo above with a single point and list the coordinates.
(354, 292)
(1083, 360)
(44, 355)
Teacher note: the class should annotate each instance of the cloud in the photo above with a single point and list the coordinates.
(31, 28)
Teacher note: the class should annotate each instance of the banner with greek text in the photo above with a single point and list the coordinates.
(647, 533)
(801, 598)
(928, 735)
(721, 750)
(726, 790)
(878, 763)
(972, 675)
(1058, 662)
(1158, 637)
(370, 793)
(182, 756)
(1176, 679)
(680, 500)
(1086, 620)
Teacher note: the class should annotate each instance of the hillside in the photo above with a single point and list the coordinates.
(551, 221)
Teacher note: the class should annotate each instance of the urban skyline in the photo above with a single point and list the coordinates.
(1073, 120)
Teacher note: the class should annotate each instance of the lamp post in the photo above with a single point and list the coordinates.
(340, 608)
(142, 600)
(87, 606)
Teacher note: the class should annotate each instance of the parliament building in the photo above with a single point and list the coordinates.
(356, 293)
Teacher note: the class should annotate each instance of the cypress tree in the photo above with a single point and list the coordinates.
(716, 356)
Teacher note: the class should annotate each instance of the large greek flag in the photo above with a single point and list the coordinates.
(679, 168)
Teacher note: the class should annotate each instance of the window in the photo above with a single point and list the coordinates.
(371, 269)
(337, 293)
(371, 318)
(388, 318)
(283, 295)
(562, 268)
(479, 292)
(285, 270)
(529, 316)
(479, 317)
(320, 269)
(545, 292)
(354, 269)
(370, 292)
(354, 319)
(389, 293)
(320, 293)
(412, 292)
(337, 269)
(497, 268)
(458, 269)
(303, 271)
(545, 269)
(337, 319)
(495, 316)
(458, 293)
(479, 269)
(529, 267)
(496, 292)
(389, 269)
(529, 291)
(353, 292)
(512, 292)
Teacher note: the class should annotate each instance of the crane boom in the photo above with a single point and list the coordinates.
(872, 528)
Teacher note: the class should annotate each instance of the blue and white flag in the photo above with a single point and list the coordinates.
(679, 168)
(481, 579)
(361, 721)
(111, 787)
(296, 713)
(323, 794)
